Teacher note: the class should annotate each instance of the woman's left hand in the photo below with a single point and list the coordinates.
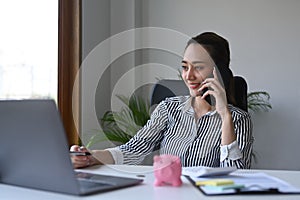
(217, 91)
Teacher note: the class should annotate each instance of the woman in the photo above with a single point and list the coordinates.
(204, 129)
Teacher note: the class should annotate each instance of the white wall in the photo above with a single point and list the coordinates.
(265, 50)
(95, 29)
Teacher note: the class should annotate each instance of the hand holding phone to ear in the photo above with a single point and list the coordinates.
(215, 92)
(209, 98)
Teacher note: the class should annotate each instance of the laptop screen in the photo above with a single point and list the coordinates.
(35, 152)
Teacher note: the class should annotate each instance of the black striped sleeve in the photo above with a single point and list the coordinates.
(243, 128)
(147, 138)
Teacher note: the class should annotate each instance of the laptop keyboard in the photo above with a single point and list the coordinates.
(89, 184)
(99, 178)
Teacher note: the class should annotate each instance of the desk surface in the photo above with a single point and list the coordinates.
(146, 190)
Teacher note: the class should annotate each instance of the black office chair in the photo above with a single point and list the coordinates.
(241, 92)
(168, 88)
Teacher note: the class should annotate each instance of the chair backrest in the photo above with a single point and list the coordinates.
(168, 88)
(241, 92)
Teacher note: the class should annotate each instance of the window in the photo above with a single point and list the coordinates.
(28, 49)
(40, 53)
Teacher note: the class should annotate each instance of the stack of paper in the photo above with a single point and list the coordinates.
(201, 171)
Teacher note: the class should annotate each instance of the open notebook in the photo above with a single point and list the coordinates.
(34, 152)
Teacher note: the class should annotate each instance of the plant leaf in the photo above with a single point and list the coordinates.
(123, 125)
(259, 101)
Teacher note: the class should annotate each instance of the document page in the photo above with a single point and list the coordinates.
(238, 183)
(201, 171)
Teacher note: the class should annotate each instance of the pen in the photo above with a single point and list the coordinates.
(80, 153)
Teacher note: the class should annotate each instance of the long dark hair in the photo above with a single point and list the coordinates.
(218, 49)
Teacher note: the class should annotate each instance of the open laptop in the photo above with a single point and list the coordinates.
(34, 152)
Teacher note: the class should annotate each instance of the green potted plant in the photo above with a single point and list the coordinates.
(120, 127)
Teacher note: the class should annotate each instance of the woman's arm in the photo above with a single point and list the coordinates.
(135, 150)
(219, 93)
(97, 157)
(239, 152)
(228, 135)
(236, 138)
(147, 138)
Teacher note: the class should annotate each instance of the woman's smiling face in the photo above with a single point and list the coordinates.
(197, 65)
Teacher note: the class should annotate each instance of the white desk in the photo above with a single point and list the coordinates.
(146, 190)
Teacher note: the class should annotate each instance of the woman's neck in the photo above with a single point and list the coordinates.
(200, 106)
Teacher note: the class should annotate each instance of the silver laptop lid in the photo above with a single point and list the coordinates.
(33, 147)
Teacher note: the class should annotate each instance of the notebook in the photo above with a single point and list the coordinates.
(34, 152)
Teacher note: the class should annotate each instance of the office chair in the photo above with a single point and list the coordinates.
(241, 92)
(168, 88)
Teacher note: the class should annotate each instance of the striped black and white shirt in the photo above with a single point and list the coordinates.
(174, 129)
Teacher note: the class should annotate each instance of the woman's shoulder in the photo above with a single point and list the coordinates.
(175, 102)
(177, 99)
(237, 112)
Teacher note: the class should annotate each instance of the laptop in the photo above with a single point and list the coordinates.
(34, 152)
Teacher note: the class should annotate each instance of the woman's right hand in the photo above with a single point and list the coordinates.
(80, 161)
(97, 157)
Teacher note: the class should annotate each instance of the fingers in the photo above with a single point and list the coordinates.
(215, 74)
(82, 148)
(75, 148)
(214, 87)
(80, 161)
(78, 148)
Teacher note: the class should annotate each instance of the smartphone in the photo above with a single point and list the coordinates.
(80, 153)
(209, 98)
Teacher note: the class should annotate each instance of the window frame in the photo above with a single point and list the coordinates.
(69, 60)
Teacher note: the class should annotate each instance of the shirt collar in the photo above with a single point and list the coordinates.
(186, 106)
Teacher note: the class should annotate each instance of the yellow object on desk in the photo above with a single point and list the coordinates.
(215, 182)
